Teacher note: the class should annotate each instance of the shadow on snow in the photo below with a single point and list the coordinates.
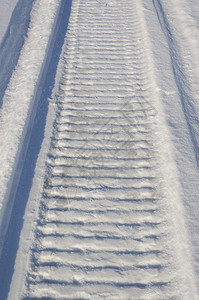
(22, 181)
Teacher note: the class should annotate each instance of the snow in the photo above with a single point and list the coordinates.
(6, 10)
(12, 39)
(18, 101)
(182, 112)
(113, 208)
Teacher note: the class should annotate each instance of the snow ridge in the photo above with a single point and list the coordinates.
(183, 34)
(20, 96)
(13, 41)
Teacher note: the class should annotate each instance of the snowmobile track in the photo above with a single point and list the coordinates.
(100, 226)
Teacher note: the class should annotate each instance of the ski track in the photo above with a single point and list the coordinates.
(102, 232)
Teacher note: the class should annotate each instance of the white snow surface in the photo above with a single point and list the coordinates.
(19, 96)
(6, 10)
(113, 208)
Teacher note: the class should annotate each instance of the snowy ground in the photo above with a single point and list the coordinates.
(99, 149)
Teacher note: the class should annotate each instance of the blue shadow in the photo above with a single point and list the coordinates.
(19, 194)
(12, 42)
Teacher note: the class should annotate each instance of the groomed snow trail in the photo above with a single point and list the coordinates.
(103, 230)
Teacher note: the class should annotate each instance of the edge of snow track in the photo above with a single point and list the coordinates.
(181, 32)
(13, 41)
(23, 114)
